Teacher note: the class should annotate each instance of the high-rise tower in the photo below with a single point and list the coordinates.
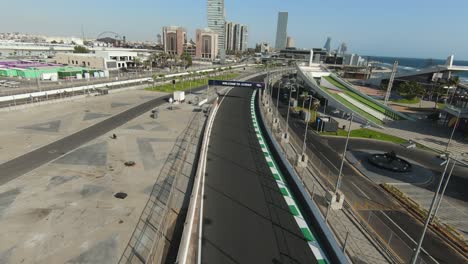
(216, 20)
(281, 30)
(327, 45)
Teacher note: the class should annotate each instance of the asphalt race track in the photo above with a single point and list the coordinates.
(246, 219)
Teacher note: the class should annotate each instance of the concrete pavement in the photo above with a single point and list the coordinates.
(66, 211)
(25, 130)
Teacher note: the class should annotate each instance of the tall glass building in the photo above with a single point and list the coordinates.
(216, 20)
(281, 30)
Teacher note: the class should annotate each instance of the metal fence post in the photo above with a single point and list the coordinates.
(345, 242)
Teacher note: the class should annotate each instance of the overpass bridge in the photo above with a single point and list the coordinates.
(427, 73)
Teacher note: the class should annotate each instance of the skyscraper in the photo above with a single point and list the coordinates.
(236, 37)
(281, 30)
(216, 20)
(290, 42)
(229, 44)
(244, 35)
(327, 45)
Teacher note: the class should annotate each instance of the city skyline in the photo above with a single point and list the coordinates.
(370, 29)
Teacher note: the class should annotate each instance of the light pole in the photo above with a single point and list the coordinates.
(277, 99)
(287, 116)
(443, 190)
(307, 126)
(428, 219)
(453, 131)
(338, 181)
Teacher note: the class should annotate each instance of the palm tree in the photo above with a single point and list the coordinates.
(453, 82)
(438, 91)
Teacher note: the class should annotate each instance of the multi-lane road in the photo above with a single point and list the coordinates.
(368, 198)
(245, 218)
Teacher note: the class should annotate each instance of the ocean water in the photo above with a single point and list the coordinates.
(412, 64)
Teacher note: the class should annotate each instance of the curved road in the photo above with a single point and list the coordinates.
(246, 219)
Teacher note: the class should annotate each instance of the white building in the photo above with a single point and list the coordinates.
(123, 59)
(101, 59)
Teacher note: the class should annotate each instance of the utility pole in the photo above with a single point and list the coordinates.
(390, 82)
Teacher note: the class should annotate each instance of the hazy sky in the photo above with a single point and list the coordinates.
(409, 28)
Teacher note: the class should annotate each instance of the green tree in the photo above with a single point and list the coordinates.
(186, 59)
(137, 61)
(454, 81)
(437, 92)
(80, 49)
(410, 89)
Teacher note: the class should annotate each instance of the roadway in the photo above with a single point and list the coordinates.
(36, 158)
(245, 218)
(367, 197)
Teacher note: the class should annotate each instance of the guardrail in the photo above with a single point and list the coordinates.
(196, 198)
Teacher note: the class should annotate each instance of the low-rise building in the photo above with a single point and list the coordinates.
(174, 38)
(190, 48)
(207, 44)
(101, 59)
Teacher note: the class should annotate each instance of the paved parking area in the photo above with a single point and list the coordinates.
(65, 211)
(24, 130)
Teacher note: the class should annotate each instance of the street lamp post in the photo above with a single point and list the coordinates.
(307, 126)
(338, 181)
(443, 190)
(453, 131)
(287, 116)
(277, 99)
(428, 219)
